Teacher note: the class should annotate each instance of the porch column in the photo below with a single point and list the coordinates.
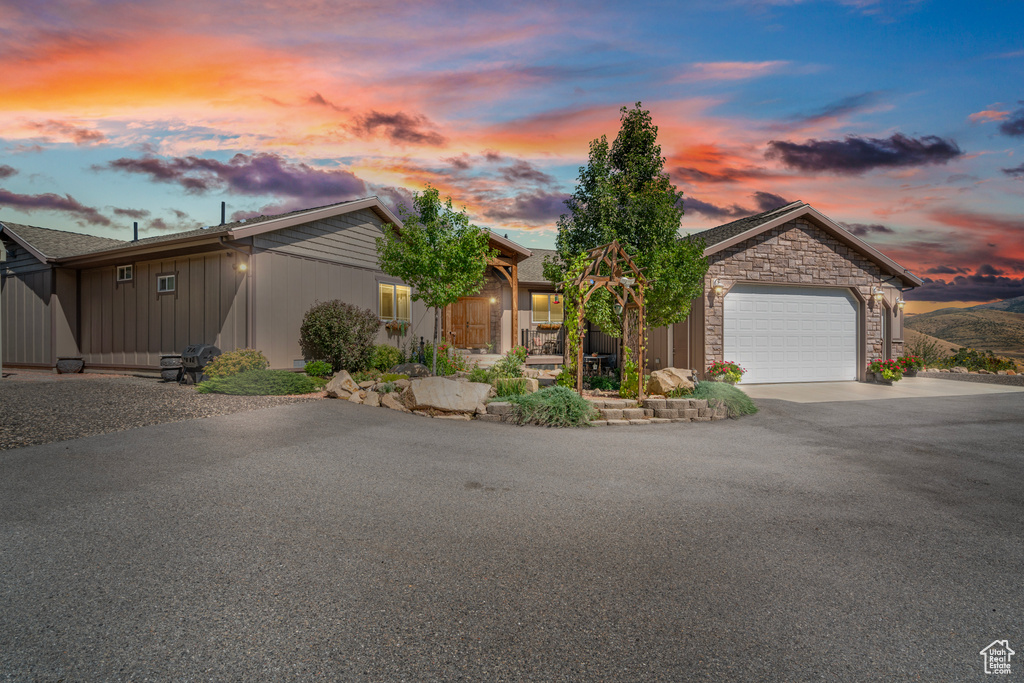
(515, 301)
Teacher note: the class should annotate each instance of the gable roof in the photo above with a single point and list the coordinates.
(532, 269)
(723, 236)
(75, 248)
(48, 245)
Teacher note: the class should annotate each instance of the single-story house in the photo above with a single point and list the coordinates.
(122, 305)
(790, 295)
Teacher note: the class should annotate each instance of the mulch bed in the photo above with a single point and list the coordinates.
(37, 408)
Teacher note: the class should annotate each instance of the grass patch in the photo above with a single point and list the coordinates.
(736, 402)
(259, 383)
(511, 386)
(552, 407)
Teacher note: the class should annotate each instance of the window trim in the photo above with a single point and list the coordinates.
(131, 273)
(394, 301)
(549, 321)
(164, 276)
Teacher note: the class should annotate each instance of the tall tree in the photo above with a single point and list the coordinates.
(624, 193)
(437, 252)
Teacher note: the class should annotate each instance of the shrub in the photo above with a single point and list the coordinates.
(552, 407)
(928, 350)
(481, 375)
(602, 383)
(511, 364)
(566, 378)
(365, 376)
(259, 383)
(392, 377)
(511, 386)
(910, 363)
(318, 368)
(977, 360)
(680, 392)
(339, 333)
(386, 388)
(449, 361)
(234, 362)
(736, 402)
(385, 357)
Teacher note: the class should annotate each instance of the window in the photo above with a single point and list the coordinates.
(124, 273)
(164, 283)
(395, 303)
(547, 308)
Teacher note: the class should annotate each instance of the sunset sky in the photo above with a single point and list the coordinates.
(902, 120)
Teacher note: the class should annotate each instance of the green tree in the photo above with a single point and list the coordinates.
(437, 252)
(624, 193)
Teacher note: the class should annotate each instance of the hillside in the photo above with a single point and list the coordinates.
(913, 337)
(1014, 305)
(1001, 332)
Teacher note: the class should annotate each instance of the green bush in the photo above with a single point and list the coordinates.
(386, 388)
(365, 376)
(511, 364)
(602, 383)
(977, 360)
(392, 377)
(318, 368)
(259, 383)
(511, 386)
(339, 333)
(235, 362)
(680, 392)
(552, 407)
(481, 375)
(736, 402)
(385, 357)
(928, 350)
(566, 378)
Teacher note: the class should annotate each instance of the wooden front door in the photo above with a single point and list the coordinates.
(470, 322)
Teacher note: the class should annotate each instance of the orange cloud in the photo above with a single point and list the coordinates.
(987, 115)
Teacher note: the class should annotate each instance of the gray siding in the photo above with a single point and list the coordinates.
(26, 286)
(349, 239)
(129, 324)
(285, 286)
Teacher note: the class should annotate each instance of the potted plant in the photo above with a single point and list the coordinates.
(886, 371)
(910, 365)
(725, 371)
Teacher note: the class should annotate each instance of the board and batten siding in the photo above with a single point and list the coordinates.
(286, 286)
(348, 239)
(129, 324)
(26, 286)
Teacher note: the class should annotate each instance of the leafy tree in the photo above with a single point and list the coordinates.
(624, 193)
(437, 252)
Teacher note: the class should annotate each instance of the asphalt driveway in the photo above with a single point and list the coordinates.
(830, 541)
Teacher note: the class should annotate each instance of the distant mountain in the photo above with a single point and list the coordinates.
(1014, 305)
(985, 329)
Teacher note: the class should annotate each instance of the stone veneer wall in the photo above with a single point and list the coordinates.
(795, 253)
(493, 285)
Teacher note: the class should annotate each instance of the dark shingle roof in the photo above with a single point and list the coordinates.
(532, 268)
(721, 233)
(60, 243)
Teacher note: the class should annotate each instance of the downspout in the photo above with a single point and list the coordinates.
(248, 289)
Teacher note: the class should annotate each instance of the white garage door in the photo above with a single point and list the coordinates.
(791, 334)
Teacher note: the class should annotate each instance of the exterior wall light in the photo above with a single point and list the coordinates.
(717, 287)
(494, 300)
(242, 267)
(877, 294)
(900, 303)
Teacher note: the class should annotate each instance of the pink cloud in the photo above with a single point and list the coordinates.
(988, 115)
(729, 71)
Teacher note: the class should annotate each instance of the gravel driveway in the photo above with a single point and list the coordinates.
(38, 408)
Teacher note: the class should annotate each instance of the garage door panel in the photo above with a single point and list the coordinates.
(791, 334)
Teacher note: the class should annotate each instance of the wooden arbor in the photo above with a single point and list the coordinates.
(626, 282)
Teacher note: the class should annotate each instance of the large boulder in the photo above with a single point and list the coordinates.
(341, 386)
(411, 369)
(669, 379)
(447, 395)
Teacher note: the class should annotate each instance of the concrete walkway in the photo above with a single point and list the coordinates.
(908, 387)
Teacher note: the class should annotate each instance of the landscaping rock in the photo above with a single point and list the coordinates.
(455, 416)
(367, 384)
(481, 409)
(1011, 372)
(357, 397)
(959, 370)
(372, 399)
(448, 395)
(499, 408)
(391, 401)
(666, 380)
(403, 383)
(411, 369)
(341, 386)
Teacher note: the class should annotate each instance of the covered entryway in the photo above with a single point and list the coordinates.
(470, 323)
(791, 334)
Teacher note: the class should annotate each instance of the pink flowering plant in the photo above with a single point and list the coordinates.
(889, 370)
(725, 371)
(910, 363)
